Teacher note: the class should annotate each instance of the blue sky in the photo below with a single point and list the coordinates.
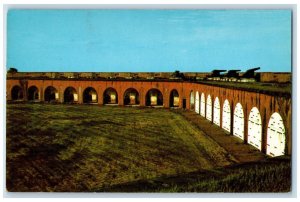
(148, 40)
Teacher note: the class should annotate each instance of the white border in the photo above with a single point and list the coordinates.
(139, 4)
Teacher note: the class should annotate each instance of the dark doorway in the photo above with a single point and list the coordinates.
(131, 97)
(110, 96)
(17, 93)
(90, 95)
(33, 93)
(174, 98)
(184, 103)
(51, 94)
(70, 95)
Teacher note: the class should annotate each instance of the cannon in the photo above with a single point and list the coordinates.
(233, 73)
(216, 73)
(250, 73)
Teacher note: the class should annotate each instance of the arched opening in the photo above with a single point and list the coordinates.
(90, 95)
(226, 116)
(17, 93)
(275, 136)
(174, 98)
(217, 111)
(202, 107)
(51, 94)
(209, 108)
(238, 121)
(131, 97)
(33, 93)
(197, 103)
(254, 128)
(70, 95)
(110, 96)
(192, 100)
(154, 98)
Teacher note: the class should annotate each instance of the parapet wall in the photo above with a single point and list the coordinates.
(275, 77)
(143, 75)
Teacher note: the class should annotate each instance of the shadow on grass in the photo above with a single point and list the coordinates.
(270, 175)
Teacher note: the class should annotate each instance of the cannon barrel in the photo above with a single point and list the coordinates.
(253, 69)
(250, 73)
(234, 70)
(216, 72)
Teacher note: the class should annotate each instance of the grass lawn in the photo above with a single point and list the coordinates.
(274, 88)
(92, 148)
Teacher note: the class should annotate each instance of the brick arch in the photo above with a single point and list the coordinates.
(209, 107)
(255, 129)
(276, 135)
(154, 97)
(192, 99)
(226, 115)
(90, 95)
(217, 111)
(197, 102)
(238, 121)
(131, 96)
(174, 98)
(70, 95)
(51, 94)
(202, 104)
(33, 93)
(110, 96)
(17, 92)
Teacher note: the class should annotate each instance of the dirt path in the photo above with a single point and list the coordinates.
(235, 146)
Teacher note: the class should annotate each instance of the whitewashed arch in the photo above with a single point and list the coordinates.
(226, 116)
(238, 121)
(197, 103)
(209, 108)
(275, 136)
(202, 107)
(217, 111)
(192, 100)
(254, 128)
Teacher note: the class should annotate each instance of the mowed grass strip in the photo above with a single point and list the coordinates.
(268, 175)
(90, 148)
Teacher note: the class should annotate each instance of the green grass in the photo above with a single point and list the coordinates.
(271, 175)
(92, 148)
(273, 88)
(85, 148)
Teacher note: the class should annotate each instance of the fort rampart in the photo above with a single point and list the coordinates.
(259, 118)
